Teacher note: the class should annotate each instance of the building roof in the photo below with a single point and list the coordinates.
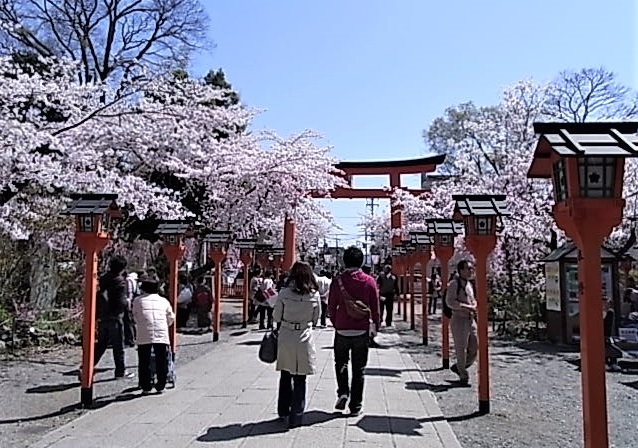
(480, 205)
(602, 139)
(569, 251)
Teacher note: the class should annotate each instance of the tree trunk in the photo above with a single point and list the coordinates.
(44, 280)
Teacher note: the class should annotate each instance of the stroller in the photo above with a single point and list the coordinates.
(170, 360)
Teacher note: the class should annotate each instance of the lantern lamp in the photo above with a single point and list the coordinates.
(218, 240)
(479, 212)
(93, 212)
(172, 231)
(443, 231)
(584, 160)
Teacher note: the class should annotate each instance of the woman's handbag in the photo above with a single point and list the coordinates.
(268, 348)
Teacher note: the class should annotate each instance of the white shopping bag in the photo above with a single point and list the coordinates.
(271, 296)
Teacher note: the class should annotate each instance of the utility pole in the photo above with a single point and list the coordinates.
(370, 203)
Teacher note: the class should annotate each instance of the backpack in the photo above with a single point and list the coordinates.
(447, 311)
(355, 308)
(202, 298)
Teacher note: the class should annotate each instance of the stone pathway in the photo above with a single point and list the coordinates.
(227, 398)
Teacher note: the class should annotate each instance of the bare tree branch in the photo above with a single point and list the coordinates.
(107, 36)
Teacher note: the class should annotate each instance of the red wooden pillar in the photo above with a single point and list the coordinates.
(174, 253)
(289, 243)
(425, 298)
(411, 289)
(246, 259)
(481, 246)
(91, 244)
(218, 257)
(444, 254)
(589, 228)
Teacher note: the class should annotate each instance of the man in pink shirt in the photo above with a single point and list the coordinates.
(353, 322)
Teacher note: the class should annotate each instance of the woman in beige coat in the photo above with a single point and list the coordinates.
(296, 311)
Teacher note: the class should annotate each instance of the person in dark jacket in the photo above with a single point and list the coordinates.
(112, 304)
(352, 332)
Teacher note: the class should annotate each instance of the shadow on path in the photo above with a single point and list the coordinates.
(422, 385)
(238, 431)
(409, 426)
(249, 343)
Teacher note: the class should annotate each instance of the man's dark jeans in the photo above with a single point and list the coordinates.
(144, 366)
(292, 396)
(387, 305)
(344, 346)
(111, 332)
(324, 313)
(265, 314)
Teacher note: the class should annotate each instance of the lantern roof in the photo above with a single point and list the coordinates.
(245, 243)
(173, 227)
(278, 251)
(480, 205)
(217, 236)
(92, 204)
(600, 139)
(444, 227)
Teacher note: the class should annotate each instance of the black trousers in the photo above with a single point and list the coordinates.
(432, 305)
(144, 366)
(324, 313)
(183, 313)
(264, 310)
(111, 332)
(292, 396)
(129, 328)
(203, 318)
(387, 305)
(346, 347)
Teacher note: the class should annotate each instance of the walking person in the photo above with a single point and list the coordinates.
(184, 301)
(388, 291)
(435, 281)
(111, 305)
(203, 303)
(353, 307)
(132, 291)
(154, 315)
(264, 309)
(324, 291)
(460, 298)
(296, 312)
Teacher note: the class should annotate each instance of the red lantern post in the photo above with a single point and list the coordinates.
(93, 213)
(173, 233)
(247, 254)
(443, 232)
(217, 241)
(422, 241)
(479, 214)
(586, 162)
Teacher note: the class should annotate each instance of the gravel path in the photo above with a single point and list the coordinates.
(535, 396)
(40, 391)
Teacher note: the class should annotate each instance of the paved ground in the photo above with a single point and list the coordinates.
(535, 395)
(227, 398)
(40, 390)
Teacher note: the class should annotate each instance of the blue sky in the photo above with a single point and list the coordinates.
(370, 75)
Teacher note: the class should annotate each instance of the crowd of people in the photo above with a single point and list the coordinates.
(132, 309)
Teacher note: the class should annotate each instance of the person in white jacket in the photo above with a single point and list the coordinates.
(153, 315)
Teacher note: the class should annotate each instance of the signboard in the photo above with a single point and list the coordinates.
(552, 286)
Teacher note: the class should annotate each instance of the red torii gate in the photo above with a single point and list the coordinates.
(393, 168)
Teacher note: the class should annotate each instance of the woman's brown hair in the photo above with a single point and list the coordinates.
(302, 278)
